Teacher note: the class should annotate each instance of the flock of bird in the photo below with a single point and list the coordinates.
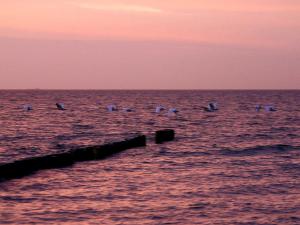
(110, 108)
(211, 107)
(268, 108)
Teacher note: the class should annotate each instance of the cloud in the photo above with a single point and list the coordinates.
(120, 8)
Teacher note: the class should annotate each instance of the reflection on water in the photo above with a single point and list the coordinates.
(235, 166)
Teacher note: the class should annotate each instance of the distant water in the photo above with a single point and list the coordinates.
(234, 166)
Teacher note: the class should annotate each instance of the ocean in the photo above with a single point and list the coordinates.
(232, 166)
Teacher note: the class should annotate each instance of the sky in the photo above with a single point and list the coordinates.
(150, 44)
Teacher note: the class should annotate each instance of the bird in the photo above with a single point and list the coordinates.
(212, 106)
(128, 109)
(269, 108)
(112, 108)
(27, 107)
(258, 108)
(60, 106)
(173, 110)
(159, 108)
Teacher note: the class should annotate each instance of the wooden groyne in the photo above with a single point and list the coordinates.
(25, 167)
(162, 136)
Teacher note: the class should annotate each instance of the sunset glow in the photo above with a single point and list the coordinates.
(266, 26)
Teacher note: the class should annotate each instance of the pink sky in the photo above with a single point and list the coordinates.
(152, 44)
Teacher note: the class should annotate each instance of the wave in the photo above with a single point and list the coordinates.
(260, 149)
(83, 126)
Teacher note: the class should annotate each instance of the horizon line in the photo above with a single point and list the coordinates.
(146, 89)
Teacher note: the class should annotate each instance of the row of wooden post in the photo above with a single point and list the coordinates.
(24, 167)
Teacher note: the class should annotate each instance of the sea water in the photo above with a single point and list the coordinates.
(231, 166)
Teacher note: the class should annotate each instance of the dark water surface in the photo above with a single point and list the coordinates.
(234, 166)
